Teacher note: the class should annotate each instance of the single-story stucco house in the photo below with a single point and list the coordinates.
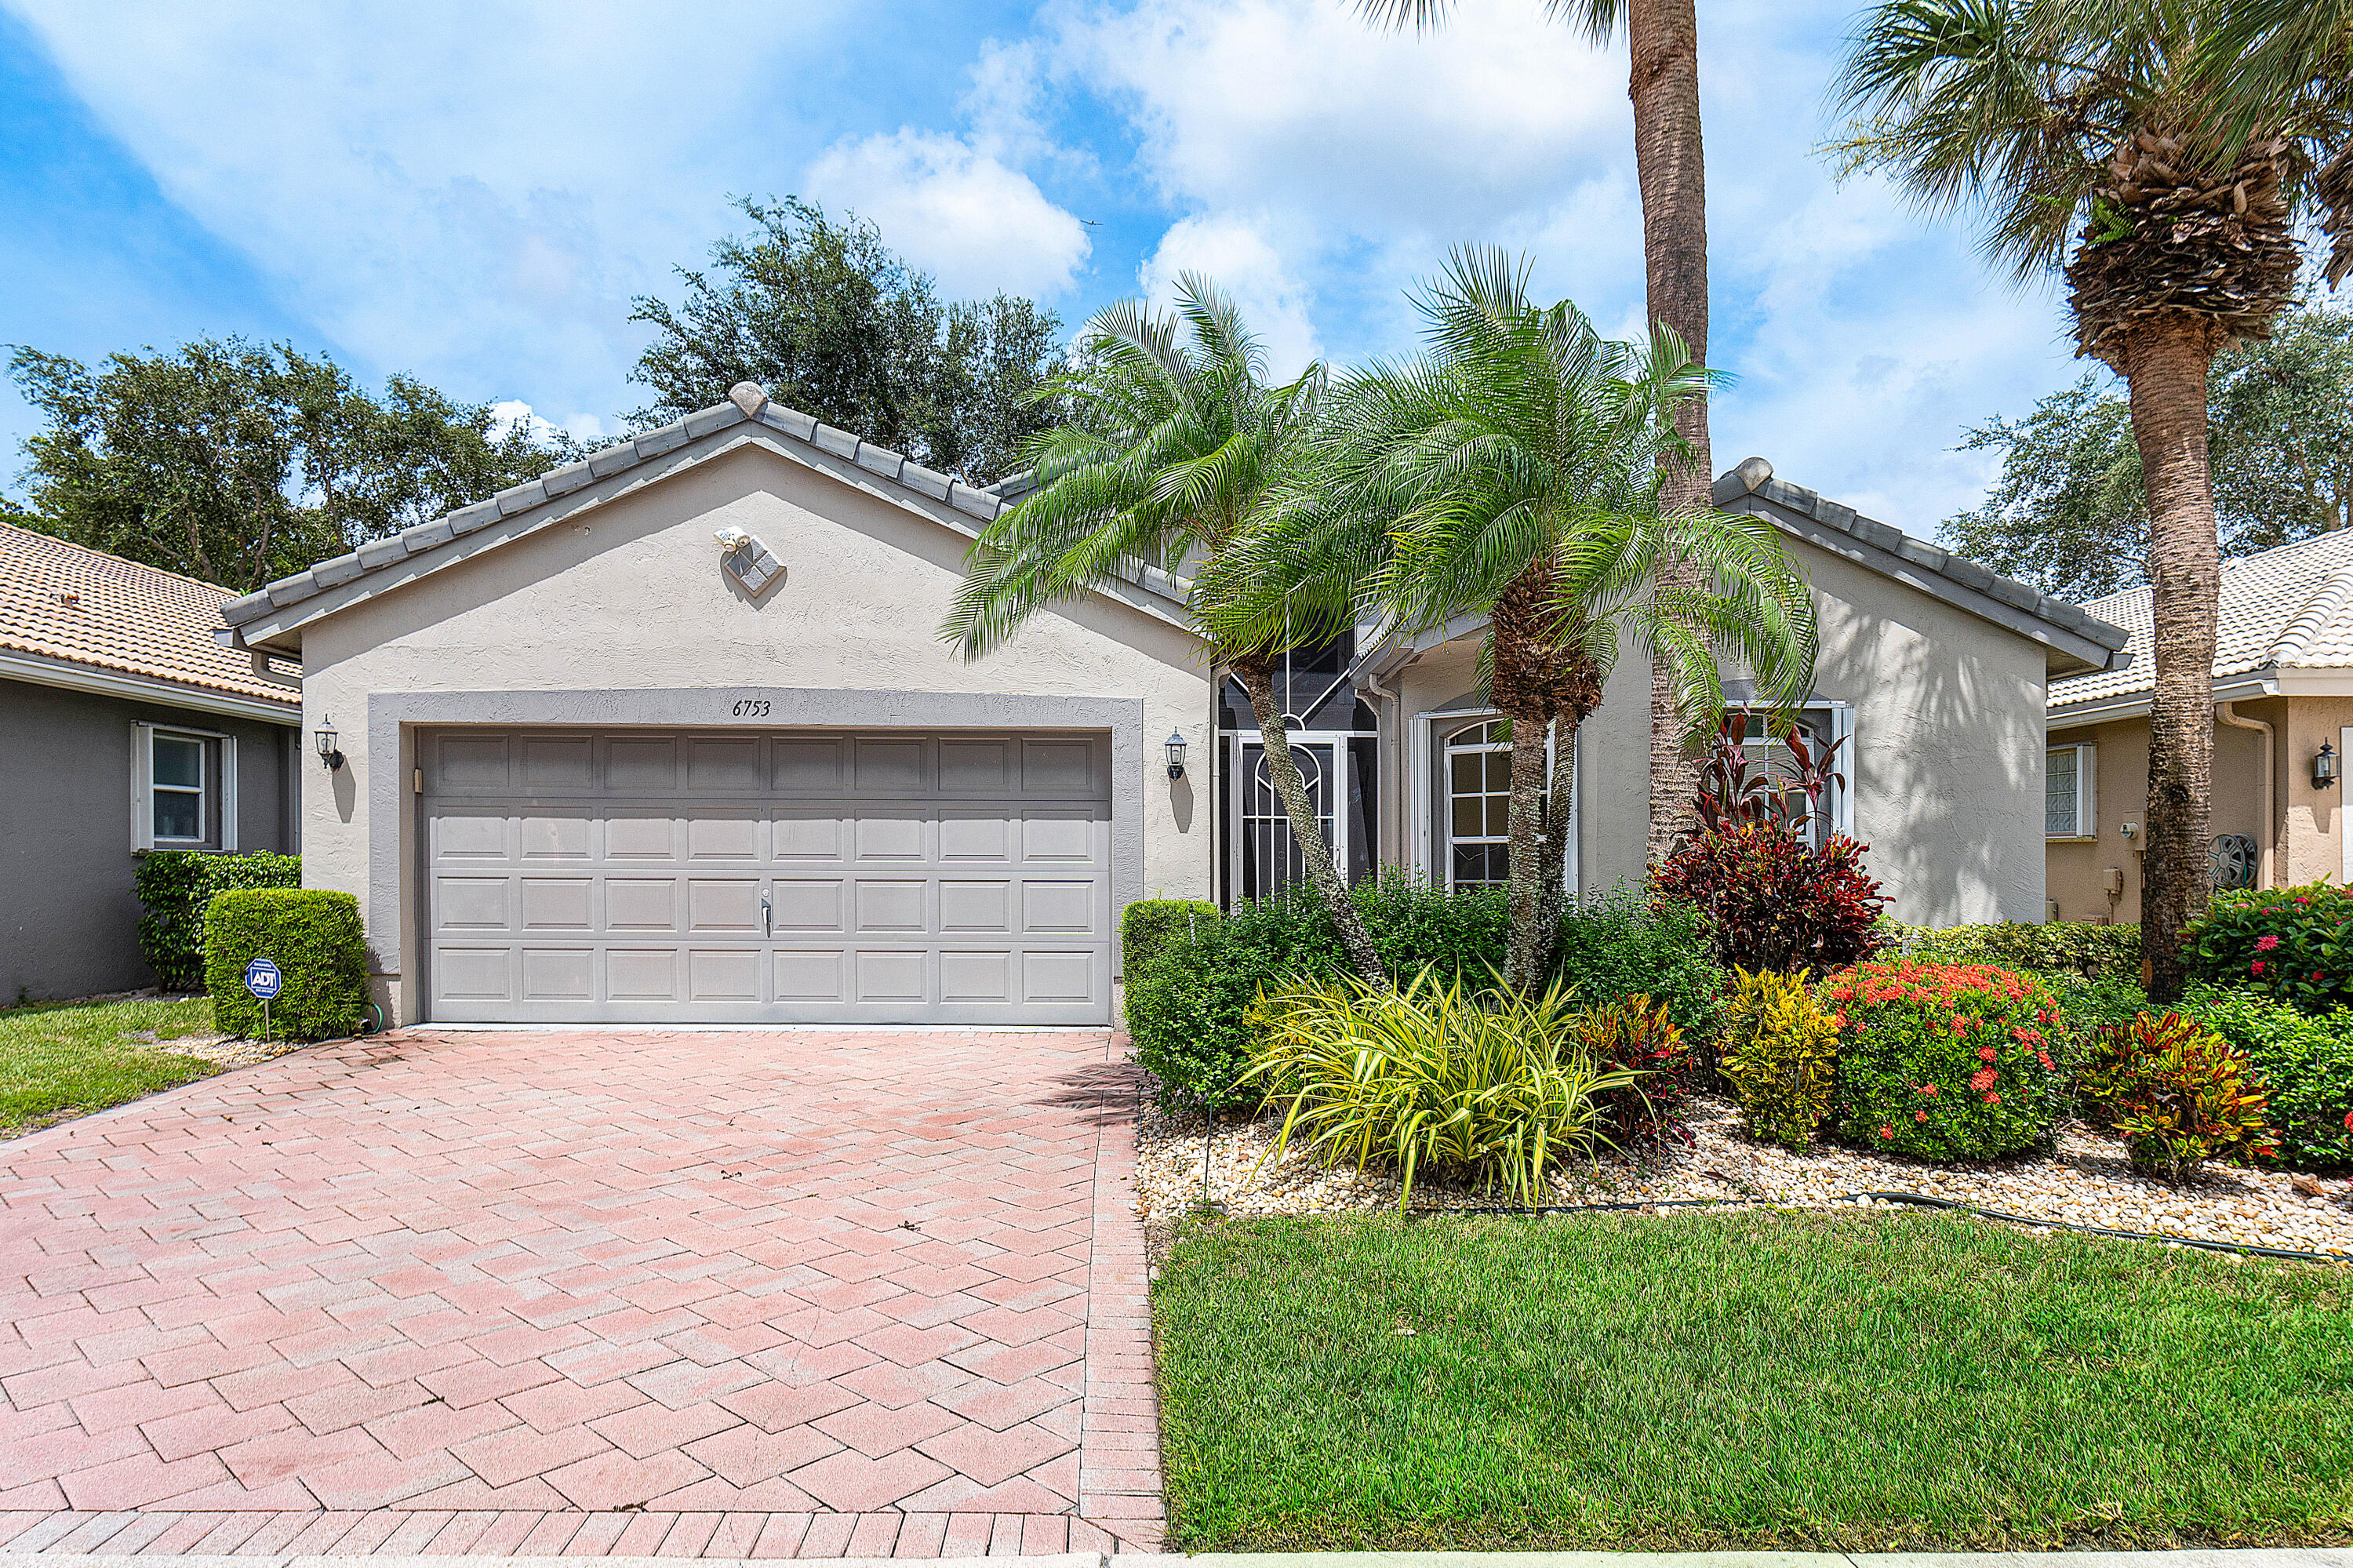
(2283, 695)
(670, 734)
(124, 725)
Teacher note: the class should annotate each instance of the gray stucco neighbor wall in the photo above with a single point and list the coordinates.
(68, 924)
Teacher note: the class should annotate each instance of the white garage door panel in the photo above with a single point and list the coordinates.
(933, 878)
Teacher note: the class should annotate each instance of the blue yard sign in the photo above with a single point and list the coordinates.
(261, 978)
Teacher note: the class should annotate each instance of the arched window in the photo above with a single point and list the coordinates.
(1477, 767)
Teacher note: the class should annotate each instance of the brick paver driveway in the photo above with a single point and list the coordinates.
(692, 1293)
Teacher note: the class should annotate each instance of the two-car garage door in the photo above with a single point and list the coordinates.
(767, 876)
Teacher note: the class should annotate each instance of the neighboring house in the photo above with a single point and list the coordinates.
(124, 725)
(2283, 691)
(605, 762)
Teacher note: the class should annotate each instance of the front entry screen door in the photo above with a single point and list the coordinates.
(1266, 858)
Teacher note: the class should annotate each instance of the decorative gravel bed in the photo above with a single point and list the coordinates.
(2087, 1180)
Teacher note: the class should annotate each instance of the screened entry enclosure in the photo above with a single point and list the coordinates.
(1334, 744)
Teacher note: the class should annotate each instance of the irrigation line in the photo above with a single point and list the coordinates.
(1920, 1199)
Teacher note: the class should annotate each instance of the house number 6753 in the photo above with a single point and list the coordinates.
(752, 707)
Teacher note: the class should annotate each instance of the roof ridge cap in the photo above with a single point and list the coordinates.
(2321, 606)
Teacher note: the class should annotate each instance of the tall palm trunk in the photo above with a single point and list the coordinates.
(1257, 678)
(1524, 654)
(2165, 365)
(1559, 822)
(1662, 36)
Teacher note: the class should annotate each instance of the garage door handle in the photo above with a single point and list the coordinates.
(765, 929)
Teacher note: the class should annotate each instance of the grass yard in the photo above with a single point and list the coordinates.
(59, 1061)
(1747, 1379)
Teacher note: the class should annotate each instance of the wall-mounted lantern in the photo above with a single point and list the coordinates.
(2323, 767)
(323, 738)
(1175, 746)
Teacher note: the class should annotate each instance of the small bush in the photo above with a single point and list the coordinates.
(176, 884)
(314, 938)
(1781, 1057)
(1945, 1061)
(2080, 948)
(1635, 1033)
(2178, 1093)
(2088, 1006)
(1433, 1076)
(1773, 902)
(1618, 946)
(1146, 926)
(2293, 943)
(2302, 1062)
(1187, 1011)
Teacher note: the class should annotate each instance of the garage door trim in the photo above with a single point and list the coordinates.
(394, 717)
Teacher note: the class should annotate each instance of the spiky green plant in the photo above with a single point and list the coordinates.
(1485, 1084)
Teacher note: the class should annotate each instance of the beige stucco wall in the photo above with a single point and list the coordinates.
(1946, 762)
(630, 595)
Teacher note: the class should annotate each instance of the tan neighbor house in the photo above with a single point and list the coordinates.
(2283, 690)
(670, 734)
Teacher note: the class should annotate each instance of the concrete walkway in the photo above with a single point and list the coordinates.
(727, 1295)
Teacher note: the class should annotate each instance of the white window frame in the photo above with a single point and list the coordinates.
(1432, 850)
(143, 786)
(2087, 793)
(1448, 751)
(1840, 726)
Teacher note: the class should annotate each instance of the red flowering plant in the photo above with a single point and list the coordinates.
(1945, 1061)
(1773, 898)
(2292, 943)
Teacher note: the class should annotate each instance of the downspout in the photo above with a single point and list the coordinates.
(2226, 714)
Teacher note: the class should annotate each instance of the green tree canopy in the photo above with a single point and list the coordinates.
(2068, 512)
(834, 323)
(237, 462)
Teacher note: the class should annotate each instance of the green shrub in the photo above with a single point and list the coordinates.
(1774, 901)
(2302, 1062)
(1435, 1076)
(1148, 923)
(1781, 1057)
(1640, 1035)
(1618, 946)
(2088, 1006)
(2291, 943)
(2079, 948)
(1944, 1061)
(2178, 1093)
(314, 938)
(176, 884)
(1188, 1010)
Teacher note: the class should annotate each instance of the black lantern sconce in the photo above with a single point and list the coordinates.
(323, 738)
(2323, 767)
(1175, 748)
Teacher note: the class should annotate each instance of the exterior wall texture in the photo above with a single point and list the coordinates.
(68, 924)
(630, 597)
(1945, 762)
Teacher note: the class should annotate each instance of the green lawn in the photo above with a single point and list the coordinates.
(1744, 1379)
(60, 1060)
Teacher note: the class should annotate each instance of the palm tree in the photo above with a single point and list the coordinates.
(2099, 135)
(1516, 472)
(1171, 453)
(1662, 43)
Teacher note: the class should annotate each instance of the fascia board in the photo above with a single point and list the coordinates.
(146, 688)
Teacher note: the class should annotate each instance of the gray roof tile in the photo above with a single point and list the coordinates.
(286, 590)
(381, 552)
(841, 443)
(916, 476)
(878, 459)
(565, 480)
(711, 421)
(480, 514)
(973, 502)
(340, 569)
(613, 459)
(521, 498)
(427, 535)
(792, 421)
(661, 439)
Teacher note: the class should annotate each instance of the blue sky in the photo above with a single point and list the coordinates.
(472, 193)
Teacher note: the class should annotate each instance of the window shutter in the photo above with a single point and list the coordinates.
(228, 793)
(2088, 792)
(143, 785)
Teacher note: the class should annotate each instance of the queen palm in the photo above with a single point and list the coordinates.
(1175, 445)
(2102, 137)
(1662, 46)
(1515, 472)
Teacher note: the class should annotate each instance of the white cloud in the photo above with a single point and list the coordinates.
(955, 210)
(587, 428)
(1238, 258)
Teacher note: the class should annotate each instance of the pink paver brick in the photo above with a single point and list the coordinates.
(490, 1293)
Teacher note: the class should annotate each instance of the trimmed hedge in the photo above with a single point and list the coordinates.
(2291, 943)
(176, 884)
(1148, 925)
(2078, 947)
(2305, 1061)
(313, 935)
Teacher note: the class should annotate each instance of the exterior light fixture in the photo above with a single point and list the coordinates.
(2323, 767)
(323, 738)
(1175, 746)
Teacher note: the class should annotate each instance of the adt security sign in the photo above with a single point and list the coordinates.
(261, 978)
